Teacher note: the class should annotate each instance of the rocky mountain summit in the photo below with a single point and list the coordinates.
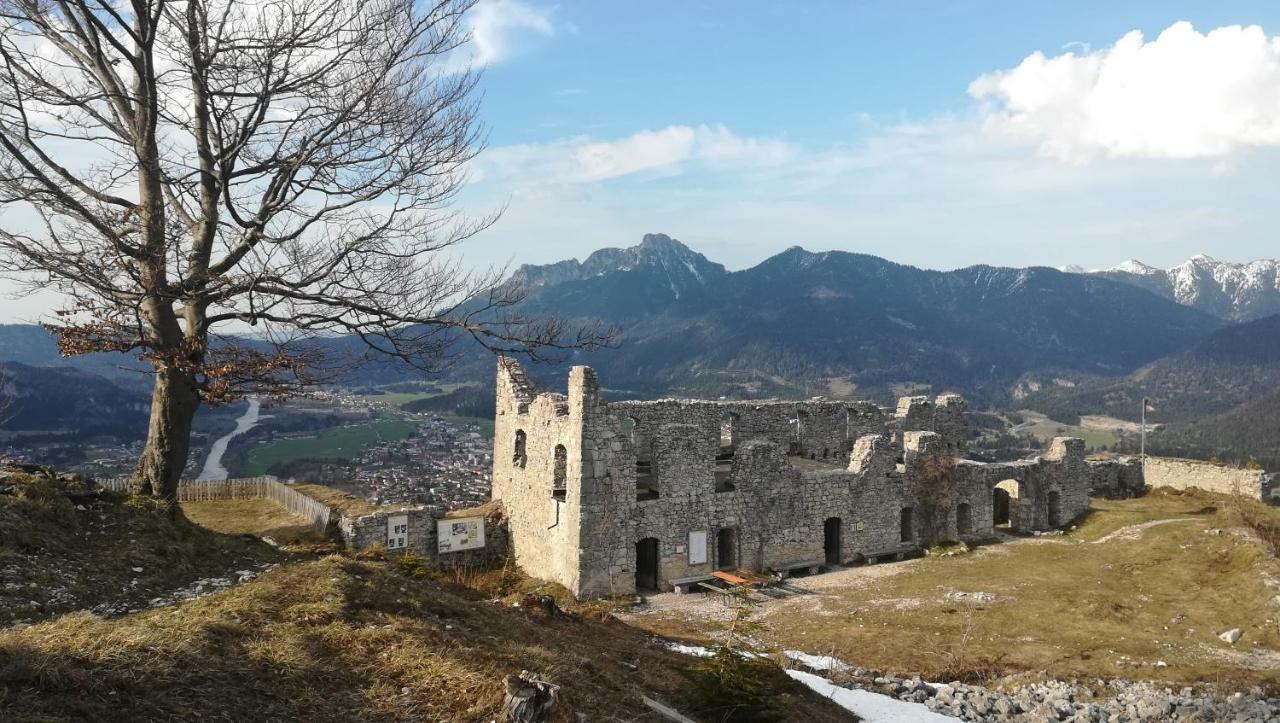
(1240, 292)
(684, 269)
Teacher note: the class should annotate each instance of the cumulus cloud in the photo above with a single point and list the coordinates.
(496, 26)
(1185, 94)
(667, 151)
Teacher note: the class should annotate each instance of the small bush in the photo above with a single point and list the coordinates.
(730, 687)
(1264, 522)
(411, 564)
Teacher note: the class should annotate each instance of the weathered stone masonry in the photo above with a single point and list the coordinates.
(607, 497)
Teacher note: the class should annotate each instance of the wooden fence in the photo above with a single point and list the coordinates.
(246, 488)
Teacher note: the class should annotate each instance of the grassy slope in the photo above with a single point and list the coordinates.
(1063, 605)
(55, 557)
(343, 502)
(344, 640)
(337, 443)
(330, 639)
(260, 517)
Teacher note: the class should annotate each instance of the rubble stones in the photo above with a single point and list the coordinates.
(1120, 701)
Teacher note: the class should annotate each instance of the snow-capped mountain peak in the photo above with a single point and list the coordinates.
(1236, 291)
(1134, 266)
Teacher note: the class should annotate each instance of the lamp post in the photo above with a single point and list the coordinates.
(1143, 445)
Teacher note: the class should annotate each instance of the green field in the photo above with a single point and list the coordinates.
(395, 399)
(336, 443)
(1045, 429)
(486, 425)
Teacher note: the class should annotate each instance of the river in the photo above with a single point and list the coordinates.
(213, 469)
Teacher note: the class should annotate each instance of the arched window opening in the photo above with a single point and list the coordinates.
(728, 430)
(521, 456)
(724, 457)
(560, 473)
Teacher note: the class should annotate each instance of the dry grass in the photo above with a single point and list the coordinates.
(1064, 605)
(1263, 520)
(344, 502)
(1106, 516)
(339, 639)
(56, 556)
(490, 510)
(258, 517)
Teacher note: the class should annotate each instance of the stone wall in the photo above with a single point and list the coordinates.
(1184, 473)
(365, 531)
(1118, 478)
(527, 428)
(795, 483)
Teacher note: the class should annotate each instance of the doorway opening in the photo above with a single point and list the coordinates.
(647, 564)
(831, 540)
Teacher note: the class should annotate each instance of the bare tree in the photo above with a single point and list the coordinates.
(7, 394)
(936, 491)
(286, 164)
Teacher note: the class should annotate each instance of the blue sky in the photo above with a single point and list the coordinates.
(939, 134)
(855, 128)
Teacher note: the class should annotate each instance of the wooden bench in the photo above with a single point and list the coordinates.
(731, 577)
(811, 566)
(683, 584)
(728, 597)
(897, 553)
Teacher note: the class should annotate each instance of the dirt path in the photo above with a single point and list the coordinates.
(1133, 532)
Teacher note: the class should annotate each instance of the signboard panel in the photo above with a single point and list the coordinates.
(698, 548)
(397, 532)
(455, 535)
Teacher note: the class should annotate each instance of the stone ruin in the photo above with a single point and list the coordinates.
(607, 498)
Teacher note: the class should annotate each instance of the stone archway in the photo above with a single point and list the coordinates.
(1006, 501)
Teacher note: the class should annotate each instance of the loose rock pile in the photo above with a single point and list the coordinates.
(1114, 701)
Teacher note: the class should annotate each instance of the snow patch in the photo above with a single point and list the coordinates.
(696, 651)
(870, 707)
(816, 662)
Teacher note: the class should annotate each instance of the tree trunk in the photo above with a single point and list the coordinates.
(174, 401)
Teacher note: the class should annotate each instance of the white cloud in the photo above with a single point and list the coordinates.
(670, 150)
(1185, 94)
(496, 26)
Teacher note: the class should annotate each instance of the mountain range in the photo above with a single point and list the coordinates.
(1235, 291)
(844, 323)
(837, 323)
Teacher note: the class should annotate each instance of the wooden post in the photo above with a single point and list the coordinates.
(529, 699)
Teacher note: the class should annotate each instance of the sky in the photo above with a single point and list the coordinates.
(938, 134)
